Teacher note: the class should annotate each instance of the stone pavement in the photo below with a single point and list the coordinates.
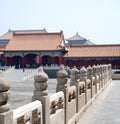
(106, 108)
(21, 92)
(17, 75)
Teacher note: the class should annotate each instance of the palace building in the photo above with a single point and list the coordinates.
(32, 48)
(84, 55)
(78, 40)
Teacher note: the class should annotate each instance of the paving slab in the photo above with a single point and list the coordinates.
(106, 108)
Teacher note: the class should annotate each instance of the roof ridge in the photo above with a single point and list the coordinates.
(36, 33)
(44, 29)
(93, 45)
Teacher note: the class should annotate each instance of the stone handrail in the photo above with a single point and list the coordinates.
(56, 102)
(81, 87)
(63, 107)
(71, 93)
(30, 113)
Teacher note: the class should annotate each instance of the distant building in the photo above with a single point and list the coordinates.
(31, 48)
(78, 40)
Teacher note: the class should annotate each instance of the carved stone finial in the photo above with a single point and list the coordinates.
(101, 69)
(62, 73)
(110, 66)
(109, 70)
(94, 69)
(74, 76)
(83, 70)
(4, 94)
(83, 73)
(89, 71)
(98, 69)
(41, 76)
(74, 71)
(104, 68)
(41, 79)
(62, 77)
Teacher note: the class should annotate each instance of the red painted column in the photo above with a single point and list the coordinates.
(40, 60)
(23, 61)
(37, 59)
(72, 63)
(65, 62)
(10, 61)
(75, 63)
(4, 60)
(110, 61)
(60, 60)
(98, 62)
(53, 60)
(86, 63)
(68, 63)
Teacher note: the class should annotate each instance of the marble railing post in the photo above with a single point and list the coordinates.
(104, 74)
(110, 71)
(83, 77)
(62, 78)
(74, 76)
(101, 73)
(75, 82)
(6, 114)
(95, 75)
(41, 93)
(98, 71)
(90, 76)
(99, 80)
(107, 74)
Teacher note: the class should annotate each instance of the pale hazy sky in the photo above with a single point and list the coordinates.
(97, 20)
